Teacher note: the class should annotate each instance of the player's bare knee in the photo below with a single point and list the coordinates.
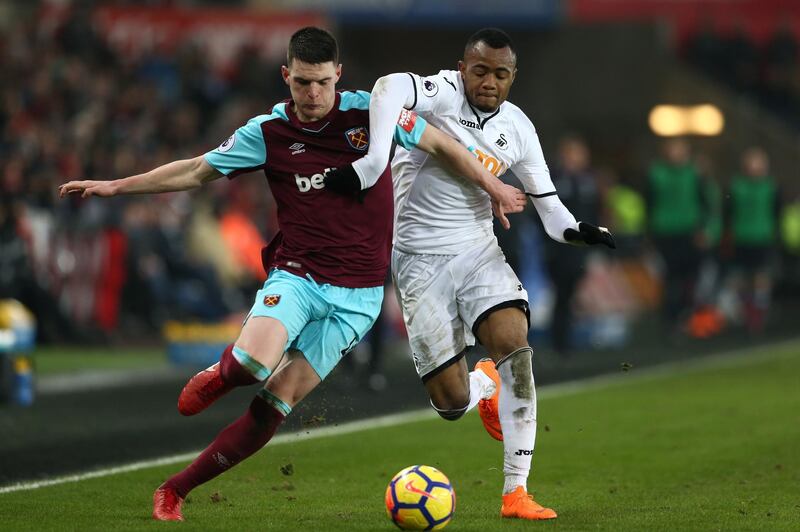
(287, 386)
(502, 343)
(505, 343)
(245, 345)
(452, 405)
(450, 398)
(450, 414)
(449, 390)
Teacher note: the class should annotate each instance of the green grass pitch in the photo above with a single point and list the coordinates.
(65, 360)
(708, 449)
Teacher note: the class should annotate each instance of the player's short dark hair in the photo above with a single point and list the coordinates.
(492, 37)
(312, 45)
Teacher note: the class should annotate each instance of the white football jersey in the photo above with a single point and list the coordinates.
(438, 212)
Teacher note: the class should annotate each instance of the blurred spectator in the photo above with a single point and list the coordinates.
(741, 60)
(780, 72)
(790, 239)
(577, 187)
(244, 243)
(678, 209)
(790, 228)
(754, 209)
(206, 244)
(706, 320)
(15, 268)
(175, 284)
(626, 210)
(769, 73)
(705, 50)
(627, 216)
(17, 279)
(72, 107)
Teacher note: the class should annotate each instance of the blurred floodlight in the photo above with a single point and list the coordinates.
(706, 120)
(676, 120)
(667, 120)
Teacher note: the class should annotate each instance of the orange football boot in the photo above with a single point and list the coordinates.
(167, 505)
(489, 408)
(519, 505)
(202, 390)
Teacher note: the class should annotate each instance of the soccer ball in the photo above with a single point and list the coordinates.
(420, 497)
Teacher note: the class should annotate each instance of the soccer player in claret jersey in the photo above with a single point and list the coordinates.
(328, 263)
(451, 277)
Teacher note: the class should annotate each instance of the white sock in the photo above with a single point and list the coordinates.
(517, 410)
(481, 386)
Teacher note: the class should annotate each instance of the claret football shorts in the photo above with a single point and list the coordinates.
(444, 297)
(324, 322)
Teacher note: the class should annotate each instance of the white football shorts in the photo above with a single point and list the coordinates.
(445, 297)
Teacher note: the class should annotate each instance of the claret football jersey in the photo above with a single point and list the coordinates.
(341, 240)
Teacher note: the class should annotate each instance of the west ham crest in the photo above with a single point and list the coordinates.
(272, 300)
(358, 137)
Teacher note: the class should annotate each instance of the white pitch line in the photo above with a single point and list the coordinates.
(103, 379)
(733, 358)
(310, 434)
(724, 359)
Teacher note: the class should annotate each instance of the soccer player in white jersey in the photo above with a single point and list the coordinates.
(450, 275)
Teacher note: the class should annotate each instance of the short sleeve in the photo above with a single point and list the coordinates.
(409, 129)
(244, 151)
(434, 94)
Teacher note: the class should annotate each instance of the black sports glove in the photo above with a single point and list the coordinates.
(590, 234)
(343, 180)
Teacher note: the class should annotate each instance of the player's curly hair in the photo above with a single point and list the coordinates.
(312, 45)
(493, 37)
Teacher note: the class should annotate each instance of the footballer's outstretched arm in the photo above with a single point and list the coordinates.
(390, 95)
(171, 177)
(505, 198)
(559, 223)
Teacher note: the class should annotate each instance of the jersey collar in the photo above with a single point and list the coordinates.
(482, 116)
(317, 126)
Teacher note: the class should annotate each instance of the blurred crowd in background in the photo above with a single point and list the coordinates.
(698, 251)
(72, 108)
(767, 72)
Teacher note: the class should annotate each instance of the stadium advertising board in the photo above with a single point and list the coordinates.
(221, 33)
(442, 12)
(758, 17)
